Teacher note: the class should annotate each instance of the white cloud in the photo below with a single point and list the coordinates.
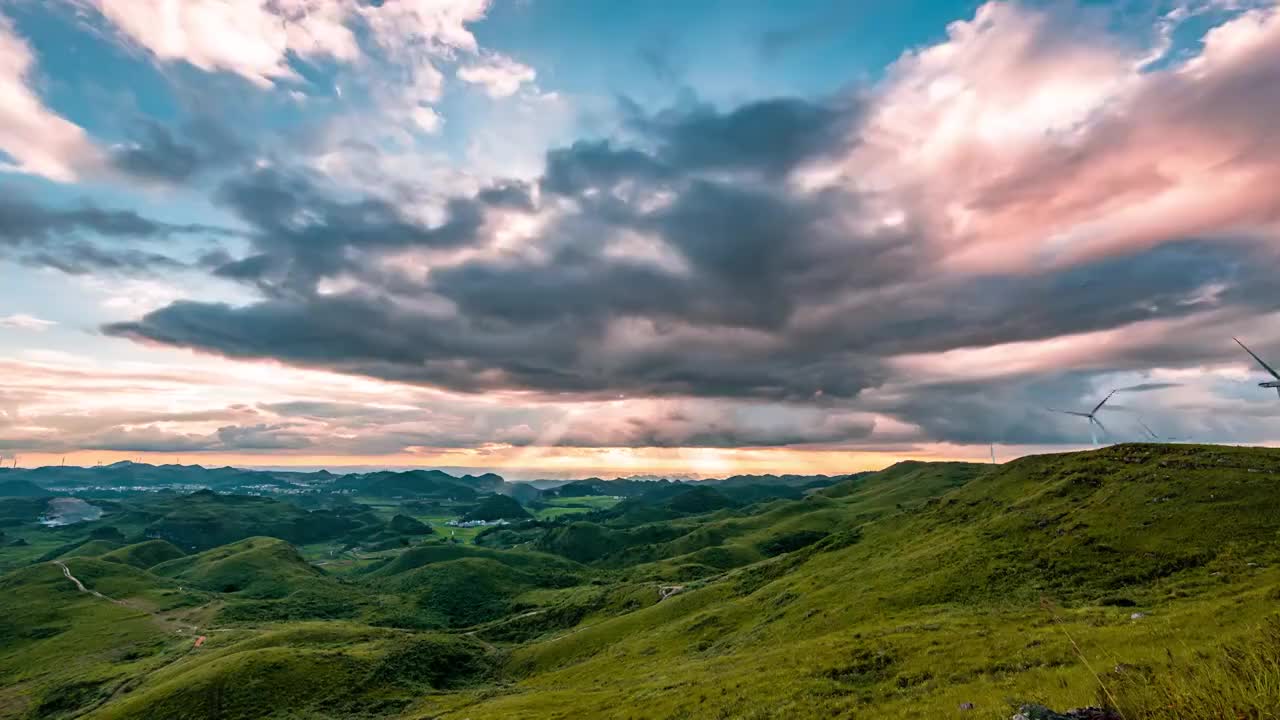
(1035, 138)
(25, 322)
(428, 120)
(257, 39)
(251, 38)
(500, 75)
(38, 140)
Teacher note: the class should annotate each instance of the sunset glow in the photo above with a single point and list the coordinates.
(458, 234)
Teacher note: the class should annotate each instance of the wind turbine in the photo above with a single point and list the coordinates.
(993, 454)
(1273, 384)
(1153, 434)
(1093, 417)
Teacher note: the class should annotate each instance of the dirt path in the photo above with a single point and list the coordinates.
(167, 625)
(80, 586)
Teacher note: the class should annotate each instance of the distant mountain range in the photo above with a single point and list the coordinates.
(129, 476)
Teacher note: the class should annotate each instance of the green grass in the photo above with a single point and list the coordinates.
(893, 595)
(144, 555)
(257, 568)
(1241, 680)
(560, 507)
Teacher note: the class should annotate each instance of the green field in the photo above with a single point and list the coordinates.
(1144, 577)
(560, 507)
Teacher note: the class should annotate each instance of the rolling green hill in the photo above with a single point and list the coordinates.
(979, 594)
(497, 507)
(259, 567)
(1140, 576)
(144, 555)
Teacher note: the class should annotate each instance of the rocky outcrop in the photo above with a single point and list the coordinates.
(1040, 712)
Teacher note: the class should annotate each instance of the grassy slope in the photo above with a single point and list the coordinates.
(892, 595)
(258, 567)
(60, 648)
(144, 555)
(973, 598)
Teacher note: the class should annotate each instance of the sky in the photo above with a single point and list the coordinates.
(569, 237)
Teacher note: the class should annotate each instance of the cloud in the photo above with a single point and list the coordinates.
(1036, 137)
(20, 321)
(499, 75)
(158, 154)
(393, 49)
(38, 140)
(251, 39)
(66, 239)
(1026, 211)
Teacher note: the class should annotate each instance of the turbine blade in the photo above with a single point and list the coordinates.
(1150, 432)
(1104, 402)
(1261, 362)
(1098, 422)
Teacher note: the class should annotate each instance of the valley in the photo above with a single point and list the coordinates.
(1067, 580)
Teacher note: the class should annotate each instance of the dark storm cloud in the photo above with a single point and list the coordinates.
(1165, 282)
(769, 135)
(686, 263)
(25, 221)
(260, 437)
(82, 258)
(158, 154)
(304, 231)
(85, 239)
(675, 431)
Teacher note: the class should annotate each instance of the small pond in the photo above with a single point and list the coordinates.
(69, 511)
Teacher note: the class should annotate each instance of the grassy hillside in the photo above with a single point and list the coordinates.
(258, 568)
(1139, 576)
(1009, 586)
(144, 555)
(205, 520)
(64, 650)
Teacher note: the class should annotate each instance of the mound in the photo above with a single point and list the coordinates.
(205, 520)
(22, 488)
(458, 586)
(145, 554)
(405, 525)
(258, 568)
(91, 548)
(497, 507)
(548, 569)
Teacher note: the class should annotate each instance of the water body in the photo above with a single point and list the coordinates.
(69, 511)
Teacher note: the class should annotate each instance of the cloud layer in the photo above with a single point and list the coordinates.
(1025, 214)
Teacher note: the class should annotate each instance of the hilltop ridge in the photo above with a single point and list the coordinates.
(915, 589)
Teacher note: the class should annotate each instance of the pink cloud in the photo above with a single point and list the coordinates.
(1019, 143)
(40, 141)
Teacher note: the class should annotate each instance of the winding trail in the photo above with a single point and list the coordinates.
(124, 687)
(80, 586)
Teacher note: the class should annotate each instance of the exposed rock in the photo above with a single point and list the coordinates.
(667, 591)
(1137, 616)
(1040, 712)
(966, 706)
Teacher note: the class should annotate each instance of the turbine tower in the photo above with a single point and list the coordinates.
(1092, 415)
(1273, 384)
